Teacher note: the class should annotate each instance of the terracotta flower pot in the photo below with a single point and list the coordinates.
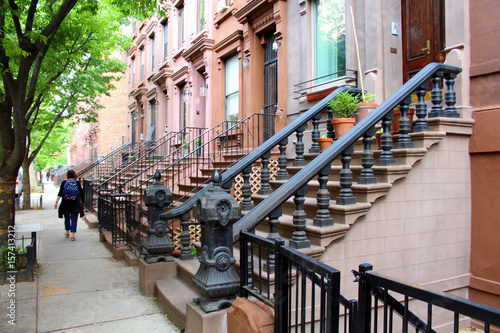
(342, 126)
(364, 109)
(397, 116)
(324, 143)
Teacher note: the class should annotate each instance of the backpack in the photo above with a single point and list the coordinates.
(70, 190)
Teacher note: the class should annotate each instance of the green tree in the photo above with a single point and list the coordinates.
(50, 49)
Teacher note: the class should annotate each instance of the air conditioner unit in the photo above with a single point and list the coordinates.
(222, 5)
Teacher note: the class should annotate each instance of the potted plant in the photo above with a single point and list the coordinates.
(324, 142)
(343, 108)
(365, 106)
(397, 116)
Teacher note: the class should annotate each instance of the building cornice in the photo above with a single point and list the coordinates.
(233, 37)
(179, 73)
(196, 51)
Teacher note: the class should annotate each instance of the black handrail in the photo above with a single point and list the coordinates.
(100, 160)
(142, 155)
(254, 155)
(278, 197)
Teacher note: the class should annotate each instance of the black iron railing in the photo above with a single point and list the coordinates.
(18, 257)
(151, 157)
(115, 215)
(88, 193)
(105, 163)
(347, 77)
(304, 292)
(401, 307)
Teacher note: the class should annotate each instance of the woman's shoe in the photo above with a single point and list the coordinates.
(72, 238)
(67, 235)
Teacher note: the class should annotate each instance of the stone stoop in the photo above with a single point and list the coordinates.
(91, 220)
(118, 251)
(176, 292)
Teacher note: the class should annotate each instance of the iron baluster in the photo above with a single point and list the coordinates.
(404, 140)
(282, 162)
(346, 196)
(437, 97)
(329, 126)
(273, 222)
(299, 148)
(185, 238)
(421, 112)
(246, 203)
(367, 176)
(265, 188)
(450, 97)
(386, 157)
(299, 238)
(315, 134)
(323, 217)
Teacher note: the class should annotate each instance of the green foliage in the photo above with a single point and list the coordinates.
(12, 254)
(344, 105)
(368, 98)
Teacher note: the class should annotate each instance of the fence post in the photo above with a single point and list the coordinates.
(30, 261)
(281, 289)
(364, 300)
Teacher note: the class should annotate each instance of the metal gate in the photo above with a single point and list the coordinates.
(270, 84)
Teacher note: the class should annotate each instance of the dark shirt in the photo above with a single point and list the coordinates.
(71, 206)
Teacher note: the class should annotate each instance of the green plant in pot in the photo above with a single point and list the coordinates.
(365, 106)
(324, 142)
(344, 107)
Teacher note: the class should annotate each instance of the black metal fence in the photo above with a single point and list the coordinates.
(88, 193)
(114, 215)
(304, 292)
(19, 258)
(407, 306)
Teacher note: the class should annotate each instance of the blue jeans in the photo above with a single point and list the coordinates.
(70, 221)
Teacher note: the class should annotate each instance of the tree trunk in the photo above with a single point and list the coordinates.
(7, 208)
(26, 185)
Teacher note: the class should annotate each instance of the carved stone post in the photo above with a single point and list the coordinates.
(216, 277)
(157, 245)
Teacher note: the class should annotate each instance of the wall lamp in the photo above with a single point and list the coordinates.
(246, 62)
(276, 45)
(187, 95)
(203, 89)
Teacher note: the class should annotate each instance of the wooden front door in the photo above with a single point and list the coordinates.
(423, 34)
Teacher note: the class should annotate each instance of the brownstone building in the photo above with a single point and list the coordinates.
(485, 152)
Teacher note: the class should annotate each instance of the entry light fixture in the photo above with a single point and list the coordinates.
(246, 62)
(203, 89)
(187, 95)
(276, 45)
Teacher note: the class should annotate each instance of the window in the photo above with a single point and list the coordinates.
(181, 27)
(232, 88)
(329, 36)
(182, 107)
(201, 14)
(133, 72)
(142, 63)
(152, 40)
(165, 40)
(152, 128)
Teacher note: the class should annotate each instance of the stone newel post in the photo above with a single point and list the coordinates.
(216, 278)
(157, 245)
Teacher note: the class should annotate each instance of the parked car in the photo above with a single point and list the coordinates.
(19, 184)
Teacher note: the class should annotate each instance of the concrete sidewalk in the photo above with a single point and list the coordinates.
(79, 286)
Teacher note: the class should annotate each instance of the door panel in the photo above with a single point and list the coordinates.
(423, 34)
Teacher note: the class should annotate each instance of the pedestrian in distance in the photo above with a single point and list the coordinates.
(71, 193)
(48, 175)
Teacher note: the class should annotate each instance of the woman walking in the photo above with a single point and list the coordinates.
(71, 193)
